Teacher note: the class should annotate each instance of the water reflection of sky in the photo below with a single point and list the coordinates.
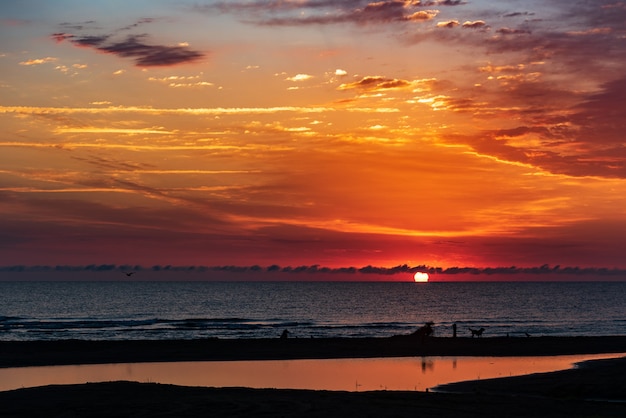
(407, 373)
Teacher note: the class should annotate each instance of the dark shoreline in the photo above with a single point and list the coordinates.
(593, 390)
(65, 352)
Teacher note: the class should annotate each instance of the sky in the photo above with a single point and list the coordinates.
(313, 132)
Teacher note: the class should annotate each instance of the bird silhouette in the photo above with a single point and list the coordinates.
(129, 273)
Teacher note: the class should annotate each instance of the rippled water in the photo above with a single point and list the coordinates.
(170, 310)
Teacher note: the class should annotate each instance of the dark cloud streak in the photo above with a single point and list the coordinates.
(594, 128)
(323, 12)
(565, 88)
(133, 46)
(544, 270)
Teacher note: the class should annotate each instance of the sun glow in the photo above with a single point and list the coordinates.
(420, 277)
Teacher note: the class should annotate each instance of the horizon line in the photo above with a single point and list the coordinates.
(317, 269)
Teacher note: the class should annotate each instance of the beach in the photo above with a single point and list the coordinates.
(594, 389)
(65, 352)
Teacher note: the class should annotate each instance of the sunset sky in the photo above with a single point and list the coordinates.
(338, 133)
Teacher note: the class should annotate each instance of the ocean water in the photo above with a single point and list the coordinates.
(187, 310)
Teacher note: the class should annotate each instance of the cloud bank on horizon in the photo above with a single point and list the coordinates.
(313, 132)
(314, 272)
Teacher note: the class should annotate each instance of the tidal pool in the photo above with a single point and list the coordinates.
(406, 373)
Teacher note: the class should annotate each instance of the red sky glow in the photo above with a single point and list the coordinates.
(331, 133)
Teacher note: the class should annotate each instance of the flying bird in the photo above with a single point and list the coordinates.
(130, 273)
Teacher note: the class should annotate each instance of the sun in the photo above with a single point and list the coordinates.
(420, 277)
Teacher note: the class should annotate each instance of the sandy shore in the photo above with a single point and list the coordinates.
(41, 353)
(595, 389)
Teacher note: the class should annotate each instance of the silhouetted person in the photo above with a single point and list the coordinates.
(284, 335)
(453, 330)
(424, 331)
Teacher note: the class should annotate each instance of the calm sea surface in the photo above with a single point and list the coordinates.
(185, 310)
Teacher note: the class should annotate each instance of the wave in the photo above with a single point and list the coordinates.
(20, 324)
(189, 327)
(101, 311)
(12, 327)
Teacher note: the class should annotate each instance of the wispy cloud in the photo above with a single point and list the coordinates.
(182, 81)
(299, 77)
(565, 104)
(132, 46)
(191, 111)
(324, 12)
(127, 131)
(38, 61)
(376, 83)
(585, 139)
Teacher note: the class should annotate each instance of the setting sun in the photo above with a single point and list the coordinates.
(420, 277)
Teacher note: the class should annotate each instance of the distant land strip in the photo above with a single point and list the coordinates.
(315, 268)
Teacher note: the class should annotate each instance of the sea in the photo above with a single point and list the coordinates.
(93, 310)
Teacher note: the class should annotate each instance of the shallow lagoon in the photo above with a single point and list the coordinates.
(406, 373)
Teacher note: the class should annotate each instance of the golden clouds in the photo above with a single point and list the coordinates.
(94, 130)
(345, 127)
(476, 24)
(190, 111)
(448, 24)
(451, 24)
(422, 15)
(501, 68)
(375, 83)
(182, 81)
(38, 61)
(299, 77)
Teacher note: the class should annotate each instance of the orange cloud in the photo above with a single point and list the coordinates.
(39, 61)
(376, 83)
(448, 24)
(477, 24)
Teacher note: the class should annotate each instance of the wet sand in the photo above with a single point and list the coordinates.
(595, 389)
(64, 352)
